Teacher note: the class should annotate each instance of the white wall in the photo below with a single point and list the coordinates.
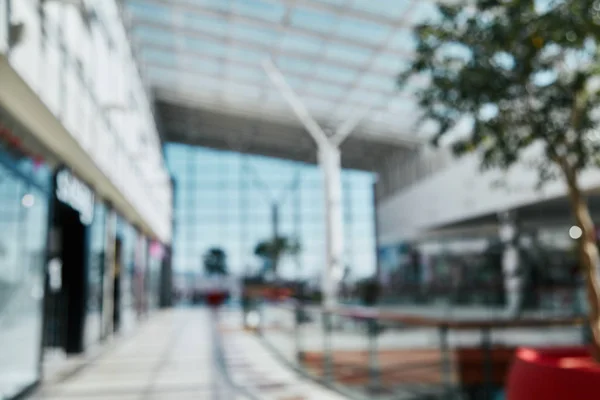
(3, 25)
(86, 76)
(461, 191)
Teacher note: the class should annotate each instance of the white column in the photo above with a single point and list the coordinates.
(330, 161)
(513, 281)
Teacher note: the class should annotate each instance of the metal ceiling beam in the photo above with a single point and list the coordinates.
(306, 92)
(383, 47)
(190, 100)
(217, 97)
(297, 106)
(195, 55)
(248, 45)
(261, 133)
(260, 23)
(215, 131)
(367, 16)
(179, 111)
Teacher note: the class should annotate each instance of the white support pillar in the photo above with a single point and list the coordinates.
(513, 280)
(330, 161)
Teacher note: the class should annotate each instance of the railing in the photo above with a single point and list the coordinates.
(378, 354)
(545, 300)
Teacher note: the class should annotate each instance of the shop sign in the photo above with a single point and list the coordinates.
(76, 195)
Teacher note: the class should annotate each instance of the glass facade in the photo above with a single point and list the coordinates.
(93, 328)
(467, 270)
(128, 236)
(224, 199)
(24, 200)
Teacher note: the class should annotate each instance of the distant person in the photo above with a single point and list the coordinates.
(513, 281)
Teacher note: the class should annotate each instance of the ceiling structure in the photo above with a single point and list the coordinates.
(203, 60)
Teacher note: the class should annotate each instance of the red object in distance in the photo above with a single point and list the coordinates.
(277, 294)
(553, 374)
(216, 299)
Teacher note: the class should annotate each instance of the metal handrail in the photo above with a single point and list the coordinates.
(346, 374)
(221, 364)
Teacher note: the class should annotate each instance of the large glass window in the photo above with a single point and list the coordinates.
(128, 237)
(23, 222)
(224, 199)
(97, 249)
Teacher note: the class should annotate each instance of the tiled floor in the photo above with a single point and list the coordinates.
(171, 357)
(259, 372)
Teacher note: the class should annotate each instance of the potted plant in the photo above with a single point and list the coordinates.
(272, 251)
(516, 81)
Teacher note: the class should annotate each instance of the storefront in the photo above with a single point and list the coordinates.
(96, 267)
(25, 183)
(126, 237)
(69, 281)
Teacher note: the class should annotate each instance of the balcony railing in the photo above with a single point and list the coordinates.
(379, 353)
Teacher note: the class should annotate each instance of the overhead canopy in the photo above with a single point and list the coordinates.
(204, 60)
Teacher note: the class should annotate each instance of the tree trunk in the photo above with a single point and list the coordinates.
(588, 253)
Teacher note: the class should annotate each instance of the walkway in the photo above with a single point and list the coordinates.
(172, 357)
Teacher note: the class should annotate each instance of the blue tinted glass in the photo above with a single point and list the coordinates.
(295, 64)
(384, 8)
(148, 11)
(313, 20)
(349, 54)
(301, 43)
(227, 203)
(268, 10)
(362, 31)
(335, 73)
(205, 24)
(153, 35)
(327, 90)
(262, 36)
(378, 82)
(205, 47)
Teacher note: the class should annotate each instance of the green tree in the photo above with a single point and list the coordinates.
(524, 75)
(215, 262)
(273, 250)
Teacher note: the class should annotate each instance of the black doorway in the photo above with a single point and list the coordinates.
(66, 294)
(117, 285)
(74, 280)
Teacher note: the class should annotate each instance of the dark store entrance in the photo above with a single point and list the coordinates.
(117, 285)
(73, 255)
(66, 277)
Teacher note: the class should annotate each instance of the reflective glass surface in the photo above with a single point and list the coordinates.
(128, 235)
(224, 199)
(95, 274)
(23, 228)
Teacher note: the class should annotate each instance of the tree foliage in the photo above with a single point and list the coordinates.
(215, 262)
(274, 249)
(520, 72)
(524, 76)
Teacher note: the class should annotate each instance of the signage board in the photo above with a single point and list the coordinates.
(76, 194)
